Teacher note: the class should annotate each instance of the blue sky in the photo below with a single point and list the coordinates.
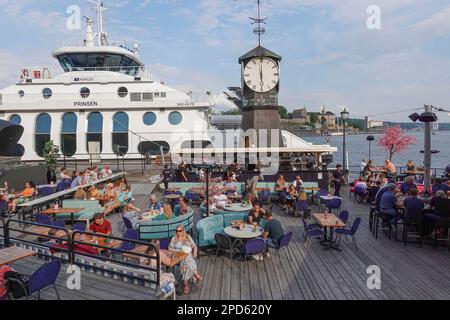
(329, 56)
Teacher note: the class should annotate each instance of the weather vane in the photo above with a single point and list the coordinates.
(260, 22)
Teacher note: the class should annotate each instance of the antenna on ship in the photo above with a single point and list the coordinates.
(259, 30)
(101, 34)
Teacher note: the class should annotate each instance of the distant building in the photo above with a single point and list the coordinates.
(368, 124)
(301, 116)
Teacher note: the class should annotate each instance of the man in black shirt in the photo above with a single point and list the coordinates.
(337, 180)
(166, 175)
(273, 232)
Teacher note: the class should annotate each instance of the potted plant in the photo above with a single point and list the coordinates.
(51, 154)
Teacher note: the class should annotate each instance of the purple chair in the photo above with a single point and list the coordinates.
(334, 204)
(79, 226)
(164, 244)
(349, 232)
(264, 197)
(311, 230)
(254, 246)
(343, 216)
(46, 191)
(3, 208)
(127, 225)
(301, 206)
(130, 234)
(67, 183)
(60, 187)
(42, 278)
(283, 242)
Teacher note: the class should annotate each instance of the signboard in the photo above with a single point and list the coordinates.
(94, 151)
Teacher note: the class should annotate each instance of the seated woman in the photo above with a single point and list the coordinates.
(64, 174)
(256, 214)
(26, 195)
(154, 204)
(93, 192)
(390, 167)
(167, 213)
(184, 206)
(165, 279)
(101, 189)
(183, 242)
(410, 166)
(126, 196)
(123, 183)
(80, 194)
(110, 192)
(281, 183)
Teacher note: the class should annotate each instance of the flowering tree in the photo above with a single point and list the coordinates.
(395, 140)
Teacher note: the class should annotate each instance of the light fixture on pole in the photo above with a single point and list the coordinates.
(427, 118)
(344, 117)
(370, 139)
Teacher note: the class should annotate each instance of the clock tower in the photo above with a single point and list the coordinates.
(260, 87)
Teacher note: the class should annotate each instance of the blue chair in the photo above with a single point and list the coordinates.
(67, 183)
(283, 243)
(253, 246)
(79, 226)
(343, 216)
(334, 204)
(45, 220)
(127, 225)
(42, 278)
(264, 197)
(224, 243)
(301, 207)
(3, 208)
(60, 186)
(311, 231)
(191, 196)
(46, 191)
(164, 244)
(349, 232)
(130, 234)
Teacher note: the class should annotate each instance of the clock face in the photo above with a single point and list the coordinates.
(261, 74)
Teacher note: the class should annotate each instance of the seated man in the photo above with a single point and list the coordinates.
(184, 206)
(220, 200)
(440, 186)
(256, 214)
(388, 202)
(379, 194)
(413, 206)
(441, 204)
(230, 185)
(154, 204)
(273, 231)
(101, 225)
(298, 183)
(408, 185)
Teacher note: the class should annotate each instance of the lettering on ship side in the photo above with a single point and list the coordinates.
(85, 104)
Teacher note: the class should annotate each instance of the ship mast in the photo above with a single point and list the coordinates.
(101, 34)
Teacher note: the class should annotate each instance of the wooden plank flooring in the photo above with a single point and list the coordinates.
(297, 273)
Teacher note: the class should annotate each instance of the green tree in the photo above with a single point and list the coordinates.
(313, 118)
(284, 114)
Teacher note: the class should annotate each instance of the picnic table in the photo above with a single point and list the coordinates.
(329, 221)
(54, 212)
(11, 254)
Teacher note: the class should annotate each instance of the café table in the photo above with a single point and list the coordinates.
(238, 207)
(325, 199)
(234, 197)
(329, 221)
(56, 211)
(240, 236)
(12, 254)
(167, 257)
(172, 196)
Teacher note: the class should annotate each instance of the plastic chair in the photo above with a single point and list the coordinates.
(311, 230)
(283, 242)
(3, 208)
(164, 244)
(130, 234)
(254, 246)
(264, 197)
(46, 191)
(223, 243)
(343, 216)
(349, 232)
(79, 226)
(301, 206)
(127, 225)
(60, 186)
(334, 204)
(42, 278)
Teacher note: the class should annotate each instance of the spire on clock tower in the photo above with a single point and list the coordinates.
(259, 30)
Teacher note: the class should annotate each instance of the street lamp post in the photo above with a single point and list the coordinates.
(427, 118)
(344, 117)
(370, 139)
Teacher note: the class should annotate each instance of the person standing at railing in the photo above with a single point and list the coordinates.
(166, 175)
(337, 178)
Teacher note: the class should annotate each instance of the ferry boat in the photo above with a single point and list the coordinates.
(103, 104)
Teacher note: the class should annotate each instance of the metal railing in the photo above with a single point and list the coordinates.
(71, 241)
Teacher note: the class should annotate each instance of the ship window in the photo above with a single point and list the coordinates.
(153, 147)
(122, 92)
(21, 93)
(147, 96)
(149, 118)
(85, 92)
(135, 97)
(120, 133)
(196, 144)
(69, 134)
(175, 118)
(95, 129)
(156, 94)
(15, 118)
(163, 95)
(47, 93)
(42, 133)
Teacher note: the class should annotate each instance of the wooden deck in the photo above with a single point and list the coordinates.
(297, 273)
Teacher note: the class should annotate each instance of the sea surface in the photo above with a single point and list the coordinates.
(358, 148)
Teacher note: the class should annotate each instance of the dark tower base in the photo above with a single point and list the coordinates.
(261, 118)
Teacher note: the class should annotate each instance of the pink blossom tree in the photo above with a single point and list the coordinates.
(395, 140)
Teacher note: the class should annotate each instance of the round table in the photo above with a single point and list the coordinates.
(234, 198)
(237, 207)
(240, 236)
